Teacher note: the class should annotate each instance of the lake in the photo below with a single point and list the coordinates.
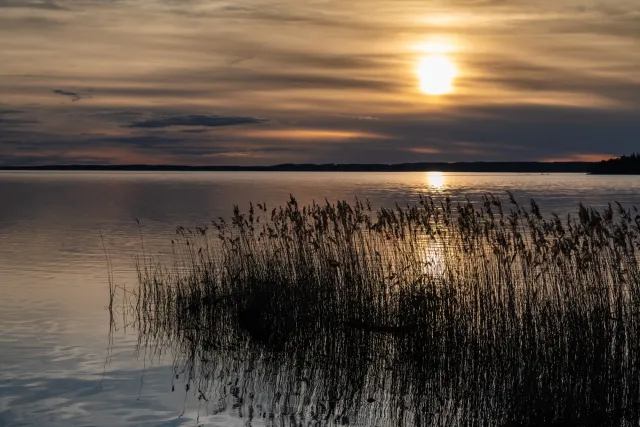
(57, 364)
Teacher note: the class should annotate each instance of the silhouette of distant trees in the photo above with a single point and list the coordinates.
(623, 165)
(509, 167)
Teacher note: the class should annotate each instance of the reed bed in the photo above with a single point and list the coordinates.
(438, 313)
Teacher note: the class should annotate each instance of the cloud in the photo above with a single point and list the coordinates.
(8, 119)
(312, 134)
(582, 157)
(196, 120)
(114, 116)
(31, 4)
(282, 13)
(537, 79)
(424, 150)
(75, 96)
(160, 142)
(282, 80)
(598, 85)
(346, 116)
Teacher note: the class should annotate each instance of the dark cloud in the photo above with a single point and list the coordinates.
(36, 159)
(177, 145)
(114, 116)
(320, 60)
(146, 142)
(256, 80)
(196, 120)
(31, 4)
(12, 119)
(158, 91)
(524, 131)
(194, 130)
(487, 133)
(75, 96)
(30, 22)
(283, 13)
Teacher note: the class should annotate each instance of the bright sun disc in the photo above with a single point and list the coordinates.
(436, 74)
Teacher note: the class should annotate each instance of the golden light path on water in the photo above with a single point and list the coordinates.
(433, 262)
(436, 70)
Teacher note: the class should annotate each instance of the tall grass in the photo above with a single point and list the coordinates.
(428, 314)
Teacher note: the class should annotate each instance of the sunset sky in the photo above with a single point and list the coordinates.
(259, 82)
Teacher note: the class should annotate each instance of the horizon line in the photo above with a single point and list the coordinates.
(476, 166)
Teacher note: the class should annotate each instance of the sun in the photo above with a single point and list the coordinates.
(436, 74)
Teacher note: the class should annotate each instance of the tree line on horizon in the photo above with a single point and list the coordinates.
(628, 164)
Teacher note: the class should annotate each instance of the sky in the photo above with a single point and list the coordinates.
(260, 82)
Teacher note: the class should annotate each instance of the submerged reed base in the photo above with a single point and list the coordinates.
(436, 314)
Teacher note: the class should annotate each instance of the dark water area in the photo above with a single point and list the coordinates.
(60, 366)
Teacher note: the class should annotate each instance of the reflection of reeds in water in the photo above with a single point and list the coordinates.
(432, 314)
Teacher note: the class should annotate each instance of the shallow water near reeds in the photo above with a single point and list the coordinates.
(58, 364)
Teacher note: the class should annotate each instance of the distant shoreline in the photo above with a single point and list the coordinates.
(514, 167)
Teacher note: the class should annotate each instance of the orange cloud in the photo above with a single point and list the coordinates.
(424, 150)
(310, 134)
(581, 157)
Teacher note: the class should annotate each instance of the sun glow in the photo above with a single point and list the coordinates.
(436, 47)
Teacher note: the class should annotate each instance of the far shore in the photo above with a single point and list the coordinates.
(503, 167)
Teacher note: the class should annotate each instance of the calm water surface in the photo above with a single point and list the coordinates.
(53, 274)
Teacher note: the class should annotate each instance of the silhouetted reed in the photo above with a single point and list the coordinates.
(430, 314)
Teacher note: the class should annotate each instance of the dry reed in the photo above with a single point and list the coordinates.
(429, 314)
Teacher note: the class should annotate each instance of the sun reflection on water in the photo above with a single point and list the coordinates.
(436, 180)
